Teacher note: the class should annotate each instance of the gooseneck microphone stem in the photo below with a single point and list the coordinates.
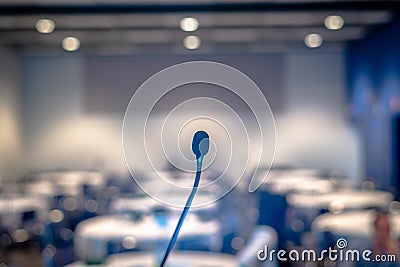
(184, 212)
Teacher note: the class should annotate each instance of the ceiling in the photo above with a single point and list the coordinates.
(139, 25)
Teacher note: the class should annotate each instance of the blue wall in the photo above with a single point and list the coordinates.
(374, 91)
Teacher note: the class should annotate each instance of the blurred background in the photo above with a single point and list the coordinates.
(329, 69)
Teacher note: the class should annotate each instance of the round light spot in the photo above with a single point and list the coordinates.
(91, 205)
(297, 225)
(367, 186)
(20, 235)
(5, 240)
(189, 24)
(253, 214)
(56, 216)
(49, 251)
(334, 22)
(237, 243)
(191, 42)
(394, 207)
(313, 40)
(336, 206)
(129, 242)
(45, 25)
(69, 204)
(71, 43)
(38, 229)
(66, 234)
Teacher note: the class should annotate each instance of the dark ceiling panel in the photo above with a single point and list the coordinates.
(198, 7)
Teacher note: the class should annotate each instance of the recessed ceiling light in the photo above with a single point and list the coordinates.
(71, 43)
(45, 25)
(189, 24)
(191, 42)
(334, 22)
(56, 216)
(313, 40)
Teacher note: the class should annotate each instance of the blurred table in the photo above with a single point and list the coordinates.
(92, 237)
(176, 259)
(356, 227)
(41, 188)
(65, 182)
(83, 264)
(353, 223)
(13, 206)
(341, 200)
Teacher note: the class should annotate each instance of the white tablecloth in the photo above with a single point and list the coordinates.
(91, 236)
(341, 200)
(181, 259)
(176, 259)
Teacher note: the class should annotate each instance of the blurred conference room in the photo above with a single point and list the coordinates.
(100, 99)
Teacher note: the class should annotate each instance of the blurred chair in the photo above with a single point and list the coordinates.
(28, 219)
(272, 210)
(262, 237)
(88, 191)
(56, 240)
(5, 238)
(28, 216)
(57, 201)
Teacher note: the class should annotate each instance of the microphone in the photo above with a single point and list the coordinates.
(200, 146)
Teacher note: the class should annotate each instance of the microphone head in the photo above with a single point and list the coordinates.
(200, 144)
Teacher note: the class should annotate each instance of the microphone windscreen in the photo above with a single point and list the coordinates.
(200, 143)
